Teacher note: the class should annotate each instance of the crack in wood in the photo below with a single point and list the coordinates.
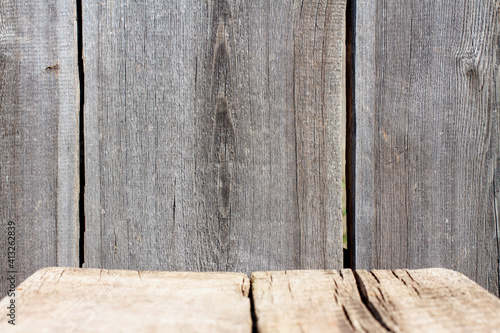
(364, 298)
(346, 314)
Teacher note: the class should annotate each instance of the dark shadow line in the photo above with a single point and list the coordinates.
(81, 74)
(252, 309)
(350, 146)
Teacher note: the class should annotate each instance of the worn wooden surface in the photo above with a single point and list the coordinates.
(427, 300)
(310, 301)
(39, 110)
(424, 132)
(94, 300)
(212, 136)
(101, 300)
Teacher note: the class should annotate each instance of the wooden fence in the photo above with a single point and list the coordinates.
(211, 135)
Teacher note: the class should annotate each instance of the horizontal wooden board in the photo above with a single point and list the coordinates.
(310, 301)
(429, 300)
(39, 129)
(94, 300)
(99, 300)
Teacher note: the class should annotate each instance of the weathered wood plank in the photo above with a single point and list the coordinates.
(424, 127)
(212, 135)
(93, 300)
(39, 112)
(429, 300)
(310, 301)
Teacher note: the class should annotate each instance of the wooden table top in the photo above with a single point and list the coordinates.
(95, 300)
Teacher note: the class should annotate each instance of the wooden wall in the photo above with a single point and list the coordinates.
(424, 128)
(212, 134)
(39, 129)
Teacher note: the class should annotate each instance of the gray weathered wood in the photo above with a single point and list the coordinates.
(310, 301)
(212, 136)
(424, 131)
(93, 300)
(39, 110)
(429, 300)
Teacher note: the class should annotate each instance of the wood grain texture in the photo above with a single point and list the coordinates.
(310, 301)
(39, 112)
(93, 300)
(212, 136)
(429, 300)
(424, 127)
(426, 300)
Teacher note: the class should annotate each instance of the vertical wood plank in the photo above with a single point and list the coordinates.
(318, 90)
(212, 134)
(425, 126)
(39, 108)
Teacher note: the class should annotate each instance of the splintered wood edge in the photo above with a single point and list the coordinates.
(100, 300)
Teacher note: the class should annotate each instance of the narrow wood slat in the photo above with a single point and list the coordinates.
(212, 134)
(310, 301)
(424, 179)
(429, 300)
(39, 128)
(93, 300)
